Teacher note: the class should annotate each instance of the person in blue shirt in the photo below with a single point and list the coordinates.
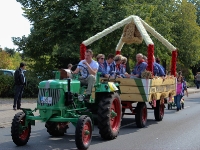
(158, 69)
(108, 62)
(102, 67)
(123, 67)
(158, 61)
(139, 67)
(115, 66)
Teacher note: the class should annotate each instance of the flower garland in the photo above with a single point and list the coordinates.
(82, 51)
(158, 36)
(173, 63)
(150, 57)
(118, 52)
(108, 30)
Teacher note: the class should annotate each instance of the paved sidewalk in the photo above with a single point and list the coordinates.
(7, 113)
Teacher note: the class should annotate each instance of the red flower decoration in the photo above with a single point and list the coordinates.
(118, 52)
(82, 51)
(173, 62)
(150, 57)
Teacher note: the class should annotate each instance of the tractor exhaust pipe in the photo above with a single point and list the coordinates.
(69, 95)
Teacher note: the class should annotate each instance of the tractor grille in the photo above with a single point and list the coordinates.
(48, 97)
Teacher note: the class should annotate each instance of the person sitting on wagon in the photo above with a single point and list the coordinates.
(123, 67)
(157, 68)
(102, 67)
(139, 68)
(115, 66)
(158, 61)
(92, 67)
(108, 62)
(69, 66)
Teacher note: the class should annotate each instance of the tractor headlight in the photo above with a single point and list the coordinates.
(81, 97)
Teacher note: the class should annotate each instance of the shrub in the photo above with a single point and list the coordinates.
(7, 86)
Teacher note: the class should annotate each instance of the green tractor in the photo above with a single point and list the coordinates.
(61, 101)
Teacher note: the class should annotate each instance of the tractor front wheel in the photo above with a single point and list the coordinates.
(83, 134)
(159, 111)
(109, 116)
(19, 132)
(141, 114)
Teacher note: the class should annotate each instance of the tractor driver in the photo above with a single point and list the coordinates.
(92, 67)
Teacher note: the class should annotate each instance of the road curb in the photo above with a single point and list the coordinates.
(192, 92)
(4, 124)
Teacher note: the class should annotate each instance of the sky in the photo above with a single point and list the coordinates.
(12, 23)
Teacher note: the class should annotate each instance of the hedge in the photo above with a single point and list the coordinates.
(7, 87)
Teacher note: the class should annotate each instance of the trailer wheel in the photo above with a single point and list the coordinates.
(55, 129)
(159, 111)
(19, 132)
(141, 114)
(109, 117)
(83, 134)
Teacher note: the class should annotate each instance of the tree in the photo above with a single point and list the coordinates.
(187, 34)
(10, 51)
(5, 61)
(59, 27)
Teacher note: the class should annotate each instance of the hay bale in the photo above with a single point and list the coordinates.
(131, 34)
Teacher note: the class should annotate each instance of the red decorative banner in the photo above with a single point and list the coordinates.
(173, 63)
(150, 57)
(118, 52)
(82, 51)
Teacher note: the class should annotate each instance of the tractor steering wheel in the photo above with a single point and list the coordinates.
(84, 68)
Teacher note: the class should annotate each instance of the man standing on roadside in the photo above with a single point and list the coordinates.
(139, 68)
(20, 81)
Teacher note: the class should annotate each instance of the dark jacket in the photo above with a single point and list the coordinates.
(158, 70)
(114, 68)
(102, 69)
(19, 77)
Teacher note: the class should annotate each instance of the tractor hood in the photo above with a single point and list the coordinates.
(60, 84)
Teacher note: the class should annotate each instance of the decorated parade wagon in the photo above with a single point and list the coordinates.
(149, 88)
(61, 100)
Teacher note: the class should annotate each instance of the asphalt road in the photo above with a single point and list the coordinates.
(178, 130)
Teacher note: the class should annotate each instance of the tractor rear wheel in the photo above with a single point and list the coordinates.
(159, 111)
(141, 114)
(83, 134)
(109, 116)
(56, 128)
(19, 132)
